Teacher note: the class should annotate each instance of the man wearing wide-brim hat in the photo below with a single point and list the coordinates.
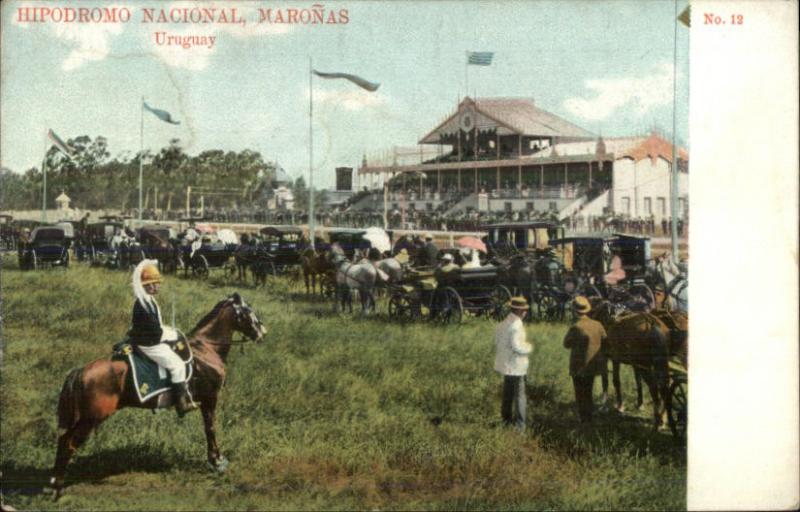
(585, 339)
(511, 361)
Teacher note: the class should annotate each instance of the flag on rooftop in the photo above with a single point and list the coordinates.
(161, 114)
(364, 84)
(60, 144)
(480, 58)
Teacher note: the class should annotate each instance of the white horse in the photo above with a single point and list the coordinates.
(675, 281)
(350, 277)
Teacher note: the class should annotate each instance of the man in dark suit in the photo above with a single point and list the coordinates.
(585, 339)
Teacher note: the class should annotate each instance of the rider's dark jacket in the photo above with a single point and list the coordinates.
(145, 326)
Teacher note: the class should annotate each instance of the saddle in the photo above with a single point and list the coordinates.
(149, 379)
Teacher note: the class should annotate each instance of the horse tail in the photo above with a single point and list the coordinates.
(68, 405)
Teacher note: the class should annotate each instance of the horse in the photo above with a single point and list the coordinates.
(671, 281)
(314, 263)
(361, 277)
(92, 393)
(643, 341)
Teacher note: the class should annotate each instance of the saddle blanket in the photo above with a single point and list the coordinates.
(146, 376)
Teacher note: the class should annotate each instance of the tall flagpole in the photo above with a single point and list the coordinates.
(675, 185)
(44, 182)
(466, 73)
(311, 223)
(141, 154)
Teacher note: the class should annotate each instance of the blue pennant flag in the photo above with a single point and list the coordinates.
(161, 114)
(480, 58)
(364, 84)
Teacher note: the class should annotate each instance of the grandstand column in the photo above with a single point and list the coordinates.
(459, 180)
(519, 177)
(566, 174)
(590, 174)
(476, 179)
(497, 179)
(541, 179)
(439, 181)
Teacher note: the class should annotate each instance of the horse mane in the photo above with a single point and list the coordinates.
(209, 316)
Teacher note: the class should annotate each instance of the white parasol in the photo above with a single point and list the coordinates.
(378, 238)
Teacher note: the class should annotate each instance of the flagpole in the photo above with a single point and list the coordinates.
(141, 154)
(466, 73)
(311, 226)
(675, 184)
(44, 182)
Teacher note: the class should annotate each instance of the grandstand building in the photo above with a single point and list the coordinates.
(507, 154)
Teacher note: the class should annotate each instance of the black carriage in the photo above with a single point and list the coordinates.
(510, 238)
(207, 253)
(159, 242)
(350, 240)
(48, 246)
(678, 399)
(281, 247)
(450, 295)
(589, 261)
(96, 244)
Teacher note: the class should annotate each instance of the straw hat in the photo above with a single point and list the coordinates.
(150, 274)
(518, 302)
(581, 305)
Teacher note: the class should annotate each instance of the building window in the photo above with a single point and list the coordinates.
(626, 205)
(529, 206)
(648, 205)
(662, 205)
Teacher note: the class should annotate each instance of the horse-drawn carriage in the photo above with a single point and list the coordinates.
(510, 238)
(110, 243)
(281, 247)
(614, 268)
(159, 242)
(47, 246)
(447, 296)
(212, 250)
(350, 240)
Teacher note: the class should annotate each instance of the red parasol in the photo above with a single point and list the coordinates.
(470, 242)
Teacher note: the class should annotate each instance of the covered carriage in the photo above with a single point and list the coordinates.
(447, 296)
(510, 238)
(281, 247)
(210, 251)
(48, 246)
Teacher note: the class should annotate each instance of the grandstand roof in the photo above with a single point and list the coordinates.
(508, 116)
(651, 146)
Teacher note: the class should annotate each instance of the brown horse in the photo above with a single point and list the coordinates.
(643, 341)
(315, 263)
(93, 393)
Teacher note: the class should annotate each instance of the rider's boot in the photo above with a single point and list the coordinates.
(183, 399)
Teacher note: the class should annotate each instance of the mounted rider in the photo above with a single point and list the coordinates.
(149, 335)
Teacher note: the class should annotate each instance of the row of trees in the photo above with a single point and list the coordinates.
(95, 180)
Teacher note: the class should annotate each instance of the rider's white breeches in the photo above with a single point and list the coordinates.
(164, 356)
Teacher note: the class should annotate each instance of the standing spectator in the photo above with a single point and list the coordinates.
(427, 255)
(511, 361)
(664, 226)
(680, 227)
(584, 339)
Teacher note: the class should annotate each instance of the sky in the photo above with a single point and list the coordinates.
(606, 66)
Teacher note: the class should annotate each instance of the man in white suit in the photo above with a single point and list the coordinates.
(511, 361)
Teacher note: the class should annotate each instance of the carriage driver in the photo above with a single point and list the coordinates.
(147, 333)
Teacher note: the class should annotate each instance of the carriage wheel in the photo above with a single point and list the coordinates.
(643, 292)
(328, 286)
(451, 309)
(401, 308)
(678, 408)
(200, 266)
(547, 309)
(499, 302)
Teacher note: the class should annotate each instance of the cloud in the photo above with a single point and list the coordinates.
(641, 93)
(351, 98)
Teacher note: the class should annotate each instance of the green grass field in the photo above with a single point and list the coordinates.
(329, 412)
